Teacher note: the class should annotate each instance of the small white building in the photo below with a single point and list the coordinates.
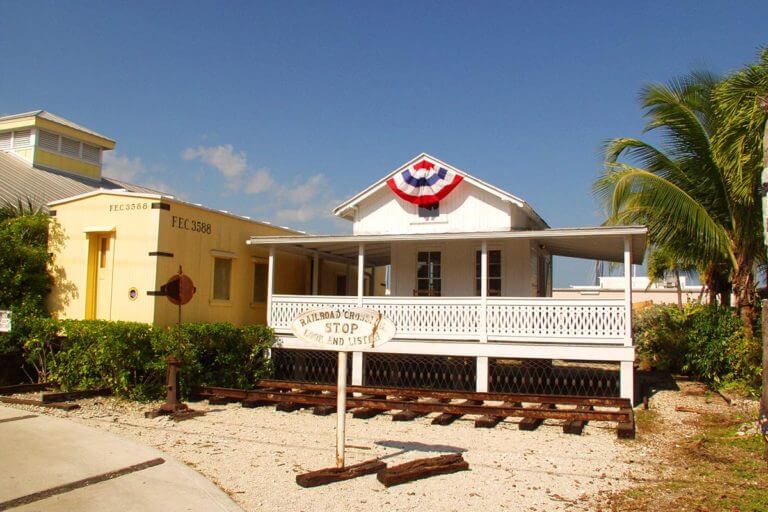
(643, 290)
(468, 279)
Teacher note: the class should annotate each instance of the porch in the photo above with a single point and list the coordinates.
(484, 327)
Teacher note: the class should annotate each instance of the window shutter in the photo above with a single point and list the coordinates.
(49, 141)
(70, 147)
(5, 140)
(21, 138)
(90, 153)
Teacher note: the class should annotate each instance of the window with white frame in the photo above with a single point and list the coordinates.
(222, 278)
(494, 272)
(259, 282)
(6, 139)
(428, 274)
(48, 141)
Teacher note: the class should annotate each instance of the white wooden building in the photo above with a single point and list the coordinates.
(469, 278)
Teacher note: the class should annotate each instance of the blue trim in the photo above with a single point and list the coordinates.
(421, 182)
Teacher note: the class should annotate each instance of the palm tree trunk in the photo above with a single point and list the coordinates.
(679, 290)
(745, 291)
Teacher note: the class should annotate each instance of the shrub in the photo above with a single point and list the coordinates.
(705, 341)
(129, 357)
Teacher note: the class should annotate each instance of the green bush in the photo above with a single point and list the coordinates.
(704, 341)
(24, 260)
(129, 357)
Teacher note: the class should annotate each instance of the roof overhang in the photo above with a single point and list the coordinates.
(346, 209)
(595, 243)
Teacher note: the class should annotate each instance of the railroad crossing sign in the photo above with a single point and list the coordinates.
(179, 289)
(343, 330)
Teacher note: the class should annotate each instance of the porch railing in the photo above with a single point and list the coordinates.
(461, 318)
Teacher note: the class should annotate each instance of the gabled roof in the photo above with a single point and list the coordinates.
(153, 194)
(44, 114)
(344, 210)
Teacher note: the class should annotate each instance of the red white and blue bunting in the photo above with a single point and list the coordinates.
(424, 183)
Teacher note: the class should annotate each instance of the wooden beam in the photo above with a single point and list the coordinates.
(422, 468)
(330, 475)
(446, 418)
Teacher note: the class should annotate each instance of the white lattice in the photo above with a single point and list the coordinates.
(553, 318)
(285, 308)
(446, 318)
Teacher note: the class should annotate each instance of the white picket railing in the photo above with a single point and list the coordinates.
(460, 318)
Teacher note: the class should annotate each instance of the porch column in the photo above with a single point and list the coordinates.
(626, 370)
(628, 290)
(270, 284)
(315, 273)
(481, 384)
(360, 273)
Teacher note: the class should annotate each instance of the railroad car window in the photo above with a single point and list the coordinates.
(259, 282)
(222, 274)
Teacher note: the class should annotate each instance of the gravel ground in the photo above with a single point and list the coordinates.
(255, 454)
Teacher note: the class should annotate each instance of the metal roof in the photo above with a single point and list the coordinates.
(605, 243)
(20, 180)
(44, 114)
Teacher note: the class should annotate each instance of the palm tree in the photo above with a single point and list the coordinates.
(693, 198)
(662, 263)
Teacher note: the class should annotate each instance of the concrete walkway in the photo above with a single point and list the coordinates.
(40, 456)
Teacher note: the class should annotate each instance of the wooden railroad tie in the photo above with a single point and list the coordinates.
(365, 413)
(626, 428)
(39, 403)
(448, 418)
(528, 423)
(288, 406)
(486, 421)
(330, 475)
(409, 415)
(422, 468)
(576, 426)
(74, 395)
(220, 400)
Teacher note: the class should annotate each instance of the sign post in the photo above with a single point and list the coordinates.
(341, 409)
(342, 330)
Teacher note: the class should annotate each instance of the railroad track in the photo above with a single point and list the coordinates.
(489, 408)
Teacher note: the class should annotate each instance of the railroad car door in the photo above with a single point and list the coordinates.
(99, 288)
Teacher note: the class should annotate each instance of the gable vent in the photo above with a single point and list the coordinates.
(90, 153)
(22, 138)
(49, 141)
(70, 147)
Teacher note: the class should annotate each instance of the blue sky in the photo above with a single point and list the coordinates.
(280, 110)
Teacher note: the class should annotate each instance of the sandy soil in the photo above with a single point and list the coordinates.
(255, 454)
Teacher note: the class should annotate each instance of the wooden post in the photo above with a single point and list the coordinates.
(764, 396)
(341, 408)
(316, 273)
(270, 284)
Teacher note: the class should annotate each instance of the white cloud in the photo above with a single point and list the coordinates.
(258, 182)
(224, 158)
(304, 190)
(122, 167)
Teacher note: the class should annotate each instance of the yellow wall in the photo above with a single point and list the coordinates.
(64, 163)
(135, 232)
(184, 232)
